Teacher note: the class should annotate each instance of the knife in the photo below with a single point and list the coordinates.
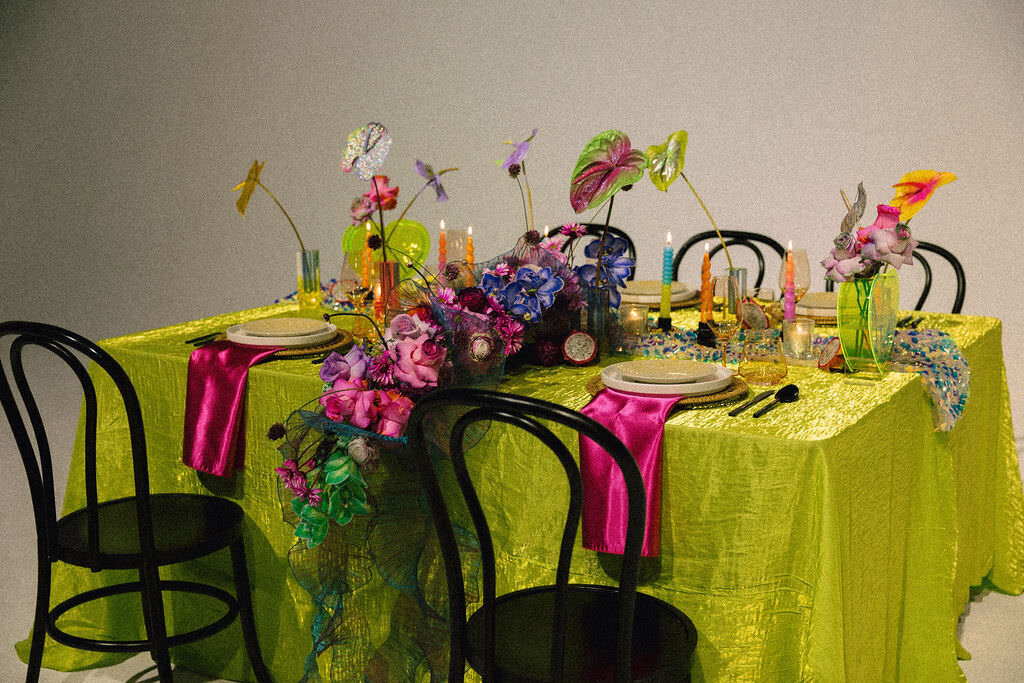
(757, 399)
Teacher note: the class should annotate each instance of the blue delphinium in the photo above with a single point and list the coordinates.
(526, 296)
(615, 267)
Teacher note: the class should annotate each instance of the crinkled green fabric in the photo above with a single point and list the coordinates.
(834, 539)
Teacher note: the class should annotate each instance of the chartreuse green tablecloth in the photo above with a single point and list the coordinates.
(834, 539)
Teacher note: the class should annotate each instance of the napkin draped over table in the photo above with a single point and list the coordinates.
(215, 405)
(639, 422)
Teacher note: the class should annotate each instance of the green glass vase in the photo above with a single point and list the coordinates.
(866, 313)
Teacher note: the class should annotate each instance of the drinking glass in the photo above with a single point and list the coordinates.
(724, 318)
(801, 274)
(356, 289)
(762, 361)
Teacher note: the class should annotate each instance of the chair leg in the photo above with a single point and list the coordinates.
(245, 613)
(156, 625)
(35, 658)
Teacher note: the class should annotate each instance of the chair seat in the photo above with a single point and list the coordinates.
(663, 642)
(185, 526)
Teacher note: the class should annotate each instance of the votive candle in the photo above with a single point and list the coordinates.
(367, 257)
(705, 285)
(789, 294)
(469, 246)
(442, 249)
(665, 310)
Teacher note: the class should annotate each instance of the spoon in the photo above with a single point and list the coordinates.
(787, 394)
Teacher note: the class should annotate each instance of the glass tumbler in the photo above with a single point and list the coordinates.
(761, 360)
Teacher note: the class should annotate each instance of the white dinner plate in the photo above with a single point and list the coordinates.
(817, 303)
(666, 371)
(237, 334)
(613, 379)
(649, 292)
(283, 327)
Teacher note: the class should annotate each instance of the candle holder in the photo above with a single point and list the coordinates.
(797, 335)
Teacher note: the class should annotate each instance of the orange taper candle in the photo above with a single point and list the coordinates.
(705, 285)
(367, 257)
(469, 245)
(442, 249)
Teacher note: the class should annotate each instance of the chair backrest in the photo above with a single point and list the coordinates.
(742, 238)
(523, 413)
(35, 450)
(594, 229)
(958, 272)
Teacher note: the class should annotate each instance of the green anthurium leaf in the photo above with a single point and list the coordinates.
(337, 470)
(608, 163)
(666, 161)
(358, 507)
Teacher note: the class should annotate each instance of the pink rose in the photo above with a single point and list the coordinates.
(350, 402)
(380, 193)
(405, 326)
(394, 409)
(417, 361)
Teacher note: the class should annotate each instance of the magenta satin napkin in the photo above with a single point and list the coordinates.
(215, 405)
(639, 422)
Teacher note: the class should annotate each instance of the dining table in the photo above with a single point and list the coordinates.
(836, 538)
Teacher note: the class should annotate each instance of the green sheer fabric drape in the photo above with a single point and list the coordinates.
(836, 538)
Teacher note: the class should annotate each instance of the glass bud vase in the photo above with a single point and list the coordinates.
(866, 313)
(385, 291)
(309, 295)
(600, 319)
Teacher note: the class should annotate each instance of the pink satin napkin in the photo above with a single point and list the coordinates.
(215, 405)
(639, 422)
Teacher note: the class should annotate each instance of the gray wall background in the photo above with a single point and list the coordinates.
(124, 126)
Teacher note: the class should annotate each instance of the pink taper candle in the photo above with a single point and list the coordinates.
(789, 296)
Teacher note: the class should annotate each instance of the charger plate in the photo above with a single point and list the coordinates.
(240, 335)
(341, 343)
(649, 292)
(737, 390)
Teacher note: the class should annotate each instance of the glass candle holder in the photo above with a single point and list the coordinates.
(633, 319)
(797, 335)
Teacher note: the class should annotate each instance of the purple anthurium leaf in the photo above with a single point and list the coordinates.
(608, 163)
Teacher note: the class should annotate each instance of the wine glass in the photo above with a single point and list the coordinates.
(801, 274)
(724, 318)
(356, 287)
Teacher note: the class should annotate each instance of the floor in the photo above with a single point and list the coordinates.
(992, 629)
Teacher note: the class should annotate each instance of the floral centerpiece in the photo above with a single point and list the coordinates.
(365, 402)
(868, 300)
(887, 241)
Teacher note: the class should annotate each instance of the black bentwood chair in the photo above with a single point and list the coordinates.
(741, 238)
(594, 229)
(141, 532)
(560, 632)
(958, 272)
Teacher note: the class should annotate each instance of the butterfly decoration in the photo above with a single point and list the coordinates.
(366, 150)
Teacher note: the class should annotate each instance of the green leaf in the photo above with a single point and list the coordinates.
(337, 470)
(666, 161)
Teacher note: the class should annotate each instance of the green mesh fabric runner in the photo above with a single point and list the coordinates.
(837, 538)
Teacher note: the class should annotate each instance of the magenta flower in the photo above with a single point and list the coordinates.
(350, 402)
(291, 477)
(888, 217)
(511, 332)
(381, 194)
(417, 361)
(394, 409)
(573, 230)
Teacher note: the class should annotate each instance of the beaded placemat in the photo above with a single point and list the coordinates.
(736, 391)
